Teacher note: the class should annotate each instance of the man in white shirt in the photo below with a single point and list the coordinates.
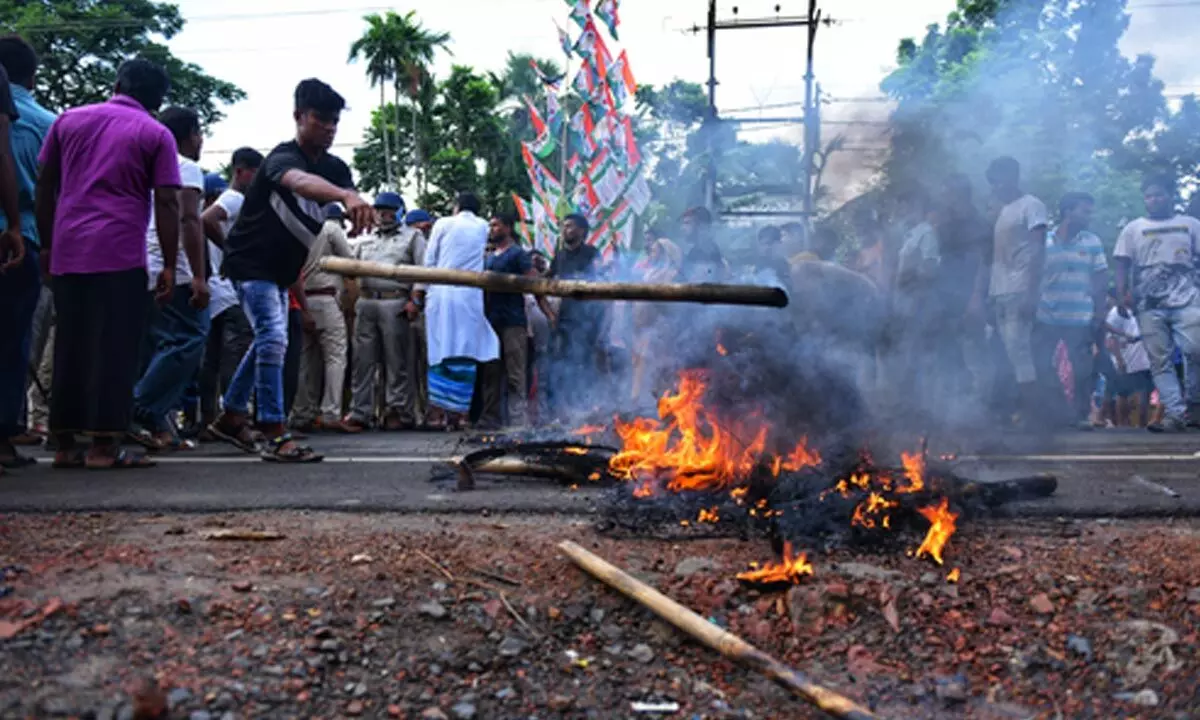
(1157, 263)
(180, 326)
(1019, 249)
(230, 335)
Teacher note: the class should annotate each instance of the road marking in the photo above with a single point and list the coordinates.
(422, 459)
(1081, 458)
(366, 459)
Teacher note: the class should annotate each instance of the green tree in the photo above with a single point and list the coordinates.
(380, 46)
(1041, 80)
(82, 42)
(398, 50)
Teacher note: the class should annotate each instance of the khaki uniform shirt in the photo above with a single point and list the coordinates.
(330, 242)
(405, 246)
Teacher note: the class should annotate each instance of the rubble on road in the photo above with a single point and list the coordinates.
(1079, 619)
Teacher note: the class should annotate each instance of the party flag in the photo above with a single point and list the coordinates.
(564, 40)
(606, 10)
(620, 80)
(579, 12)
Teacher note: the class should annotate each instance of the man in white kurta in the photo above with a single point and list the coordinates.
(458, 334)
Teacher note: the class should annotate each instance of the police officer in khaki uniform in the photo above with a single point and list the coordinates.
(382, 326)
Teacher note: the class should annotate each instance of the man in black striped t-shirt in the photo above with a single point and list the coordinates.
(265, 252)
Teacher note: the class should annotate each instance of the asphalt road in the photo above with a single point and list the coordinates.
(396, 473)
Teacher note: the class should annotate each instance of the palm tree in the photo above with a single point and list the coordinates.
(380, 46)
(416, 49)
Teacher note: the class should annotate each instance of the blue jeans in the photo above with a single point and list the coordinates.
(261, 370)
(179, 333)
(19, 291)
(1163, 330)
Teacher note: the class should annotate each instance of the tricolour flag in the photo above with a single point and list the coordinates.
(554, 114)
(523, 208)
(546, 187)
(564, 40)
(637, 191)
(584, 199)
(633, 155)
(591, 46)
(579, 12)
(581, 128)
(545, 229)
(606, 10)
(606, 178)
(620, 80)
(535, 119)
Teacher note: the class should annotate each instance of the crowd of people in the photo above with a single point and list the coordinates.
(144, 300)
(1023, 315)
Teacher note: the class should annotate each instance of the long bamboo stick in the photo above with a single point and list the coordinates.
(724, 642)
(575, 289)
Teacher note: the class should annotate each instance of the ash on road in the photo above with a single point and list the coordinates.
(461, 617)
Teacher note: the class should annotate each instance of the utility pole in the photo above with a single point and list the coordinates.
(710, 121)
(811, 120)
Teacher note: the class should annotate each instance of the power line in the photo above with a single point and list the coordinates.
(120, 22)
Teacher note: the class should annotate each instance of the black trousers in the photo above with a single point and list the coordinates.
(101, 321)
(228, 341)
(19, 291)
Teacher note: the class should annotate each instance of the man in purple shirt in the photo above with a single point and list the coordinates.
(100, 166)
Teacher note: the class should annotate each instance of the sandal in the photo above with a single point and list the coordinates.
(123, 460)
(244, 437)
(296, 453)
(75, 459)
(146, 439)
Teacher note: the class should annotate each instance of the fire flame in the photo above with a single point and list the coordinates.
(694, 448)
(941, 527)
(791, 569)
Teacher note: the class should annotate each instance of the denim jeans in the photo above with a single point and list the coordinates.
(1163, 330)
(261, 370)
(179, 333)
(19, 291)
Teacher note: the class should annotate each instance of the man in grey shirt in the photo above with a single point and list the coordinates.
(1019, 249)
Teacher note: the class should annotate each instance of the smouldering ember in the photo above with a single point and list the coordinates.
(790, 569)
(693, 447)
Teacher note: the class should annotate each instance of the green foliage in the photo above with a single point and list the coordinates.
(397, 50)
(82, 42)
(1045, 82)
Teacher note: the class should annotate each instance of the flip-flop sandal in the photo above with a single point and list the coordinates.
(298, 454)
(76, 460)
(17, 462)
(146, 439)
(124, 460)
(247, 439)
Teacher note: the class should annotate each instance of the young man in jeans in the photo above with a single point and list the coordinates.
(1156, 278)
(265, 253)
(179, 329)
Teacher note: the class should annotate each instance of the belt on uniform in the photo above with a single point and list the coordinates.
(384, 294)
(322, 291)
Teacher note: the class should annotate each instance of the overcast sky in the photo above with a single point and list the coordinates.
(267, 46)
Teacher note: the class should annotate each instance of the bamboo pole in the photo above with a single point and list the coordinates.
(574, 289)
(724, 642)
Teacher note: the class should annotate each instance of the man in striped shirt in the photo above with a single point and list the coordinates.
(1074, 280)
